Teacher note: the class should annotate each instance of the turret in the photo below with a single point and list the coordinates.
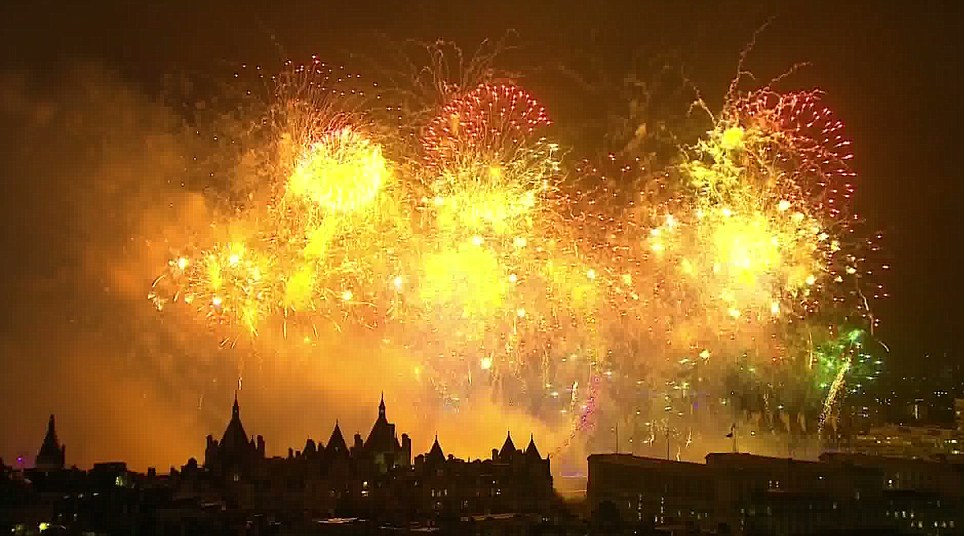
(52, 454)
(211, 452)
(508, 448)
(531, 451)
(235, 449)
(435, 455)
(336, 443)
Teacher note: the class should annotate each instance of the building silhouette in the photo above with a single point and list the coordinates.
(235, 453)
(52, 454)
(382, 446)
(742, 493)
(368, 485)
(372, 476)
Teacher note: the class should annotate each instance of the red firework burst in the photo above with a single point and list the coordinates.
(491, 119)
(809, 144)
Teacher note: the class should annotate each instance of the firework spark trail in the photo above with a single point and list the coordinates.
(832, 394)
(476, 259)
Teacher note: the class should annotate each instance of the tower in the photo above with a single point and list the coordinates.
(235, 451)
(382, 445)
(52, 453)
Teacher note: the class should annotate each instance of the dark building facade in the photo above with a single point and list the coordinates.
(746, 494)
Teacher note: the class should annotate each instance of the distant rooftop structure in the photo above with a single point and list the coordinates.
(916, 442)
(52, 454)
(841, 493)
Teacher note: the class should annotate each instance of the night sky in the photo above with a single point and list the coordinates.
(77, 87)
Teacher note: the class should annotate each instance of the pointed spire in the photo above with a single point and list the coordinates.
(508, 448)
(531, 450)
(336, 443)
(51, 455)
(234, 436)
(381, 407)
(436, 454)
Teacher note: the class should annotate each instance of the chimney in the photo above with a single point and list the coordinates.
(495, 454)
(261, 446)
(407, 449)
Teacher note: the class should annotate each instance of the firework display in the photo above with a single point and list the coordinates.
(727, 286)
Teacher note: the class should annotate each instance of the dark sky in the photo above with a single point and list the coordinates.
(892, 71)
